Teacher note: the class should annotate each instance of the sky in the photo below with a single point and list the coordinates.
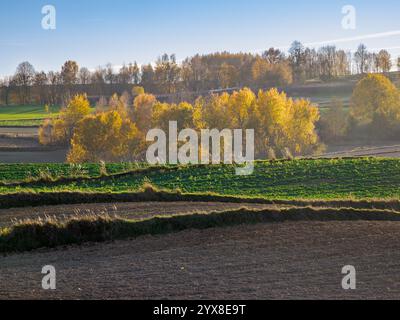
(97, 32)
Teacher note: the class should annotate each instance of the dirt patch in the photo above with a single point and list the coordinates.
(379, 150)
(24, 131)
(57, 156)
(293, 260)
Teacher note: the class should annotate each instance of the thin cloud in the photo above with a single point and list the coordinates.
(358, 38)
(349, 39)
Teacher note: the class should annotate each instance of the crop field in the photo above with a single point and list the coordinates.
(20, 172)
(25, 115)
(364, 178)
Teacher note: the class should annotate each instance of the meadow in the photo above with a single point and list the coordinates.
(29, 115)
(323, 179)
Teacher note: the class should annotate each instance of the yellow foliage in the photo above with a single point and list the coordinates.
(45, 136)
(137, 91)
(118, 104)
(163, 113)
(376, 100)
(62, 128)
(281, 124)
(107, 137)
(143, 110)
(212, 112)
(240, 105)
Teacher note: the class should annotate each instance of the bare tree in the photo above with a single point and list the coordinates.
(84, 76)
(23, 79)
(361, 58)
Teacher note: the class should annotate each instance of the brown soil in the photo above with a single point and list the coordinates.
(296, 260)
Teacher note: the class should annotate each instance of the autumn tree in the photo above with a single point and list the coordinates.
(266, 74)
(376, 101)
(274, 56)
(212, 112)
(142, 112)
(286, 124)
(182, 113)
(119, 104)
(384, 60)
(167, 74)
(105, 137)
(280, 123)
(137, 91)
(62, 129)
(69, 72)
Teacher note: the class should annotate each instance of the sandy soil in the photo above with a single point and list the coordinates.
(300, 260)
(128, 210)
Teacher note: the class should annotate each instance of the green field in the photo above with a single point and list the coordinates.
(25, 115)
(299, 179)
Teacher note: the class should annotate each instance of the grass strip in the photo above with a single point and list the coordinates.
(149, 193)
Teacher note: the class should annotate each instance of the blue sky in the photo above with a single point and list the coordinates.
(97, 32)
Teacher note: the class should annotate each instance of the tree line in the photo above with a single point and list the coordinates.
(284, 127)
(117, 131)
(193, 76)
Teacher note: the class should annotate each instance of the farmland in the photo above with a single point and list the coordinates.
(364, 178)
(293, 260)
(26, 115)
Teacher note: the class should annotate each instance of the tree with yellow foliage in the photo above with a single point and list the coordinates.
(376, 101)
(182, 113)
(107, 137)
(137, 91)
(282, 125)
(212, 112)
(142, 111)
(119, 104)
(265, 73)
(60, 131)
(241, 106)
(300, 127)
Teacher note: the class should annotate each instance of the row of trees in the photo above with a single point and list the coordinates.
(196, 74)
(117, 132)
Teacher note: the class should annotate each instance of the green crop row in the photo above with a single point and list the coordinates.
(299, 179)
